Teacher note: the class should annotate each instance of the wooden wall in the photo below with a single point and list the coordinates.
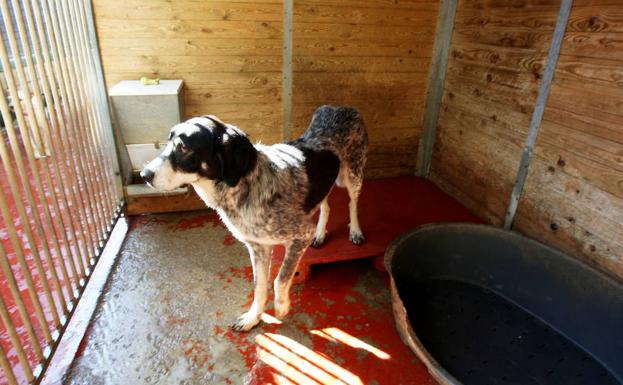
(229, 54)
(374, 55)
(573, 197)
(496, 58)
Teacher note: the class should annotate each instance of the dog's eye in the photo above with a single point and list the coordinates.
(181, 148)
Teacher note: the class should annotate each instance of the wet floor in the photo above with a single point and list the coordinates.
(179, 282)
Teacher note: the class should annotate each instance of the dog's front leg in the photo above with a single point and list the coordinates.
(294, 252)
(260, 260)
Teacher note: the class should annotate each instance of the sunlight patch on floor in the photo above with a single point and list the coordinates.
(338, 335)
(297, 364)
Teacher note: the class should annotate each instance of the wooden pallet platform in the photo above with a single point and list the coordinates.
(387, 208)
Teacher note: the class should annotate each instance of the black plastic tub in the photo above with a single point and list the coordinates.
(480, 305)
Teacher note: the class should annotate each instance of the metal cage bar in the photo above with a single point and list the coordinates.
(58, 181)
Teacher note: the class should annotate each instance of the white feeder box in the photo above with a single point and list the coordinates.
(145, 115)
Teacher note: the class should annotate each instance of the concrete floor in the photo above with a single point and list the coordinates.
(179, 282)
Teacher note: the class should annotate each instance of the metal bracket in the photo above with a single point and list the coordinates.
(288, 16)
(539, 109)
(439, 63)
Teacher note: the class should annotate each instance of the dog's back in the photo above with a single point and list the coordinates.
(340, 130)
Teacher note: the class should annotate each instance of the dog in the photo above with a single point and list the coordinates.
(267, 195)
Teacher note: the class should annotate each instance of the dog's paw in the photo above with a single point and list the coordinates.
(317, 242)
(282, 308)
(357, 238)
(245, 322)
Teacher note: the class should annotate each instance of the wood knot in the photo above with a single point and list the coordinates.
(561, 162)
(553, 226)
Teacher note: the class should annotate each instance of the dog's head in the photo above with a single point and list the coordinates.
(203, 147)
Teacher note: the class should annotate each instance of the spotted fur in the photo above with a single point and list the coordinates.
(266, 195)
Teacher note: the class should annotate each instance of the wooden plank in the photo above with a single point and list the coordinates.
(493, 37)
(602, 45)
(604, 18)
(163, 204)
(175, 65)
(360, 64)
(213, 96)
(387, 137)
(581, 166)
(385, 155)
(591, 100)
(377, 116)
(188, 11)
(593, 3)
(605, 126)
(486, 108)
(397, 5)
(513, 19)
(387, 172)
(486, 142)
(231, 112)
(457, 121)
(339, 13)
(582, 143)
(508, 81)
(341, 80)
(599, 75)
(305, 46)
(500, 58)
(346, 90)
(159, 29)
(181, 47)
(354, 32)
(538, 6)
(490, 94)
(471, 181)
(196, 80)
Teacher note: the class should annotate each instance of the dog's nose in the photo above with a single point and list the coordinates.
(147, 175)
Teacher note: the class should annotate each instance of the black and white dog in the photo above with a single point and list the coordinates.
(266, 195)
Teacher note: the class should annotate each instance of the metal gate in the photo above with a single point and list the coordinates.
(59, 189)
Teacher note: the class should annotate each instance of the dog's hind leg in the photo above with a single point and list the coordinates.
(293, 255)
(321, 227)
(260, 260)
(353, 179)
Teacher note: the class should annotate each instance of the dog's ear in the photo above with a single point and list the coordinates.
(215, 119)
(237, 155)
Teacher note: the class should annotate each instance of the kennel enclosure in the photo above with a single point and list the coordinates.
(458, 92)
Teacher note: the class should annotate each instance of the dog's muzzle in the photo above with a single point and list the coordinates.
(148, 175)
